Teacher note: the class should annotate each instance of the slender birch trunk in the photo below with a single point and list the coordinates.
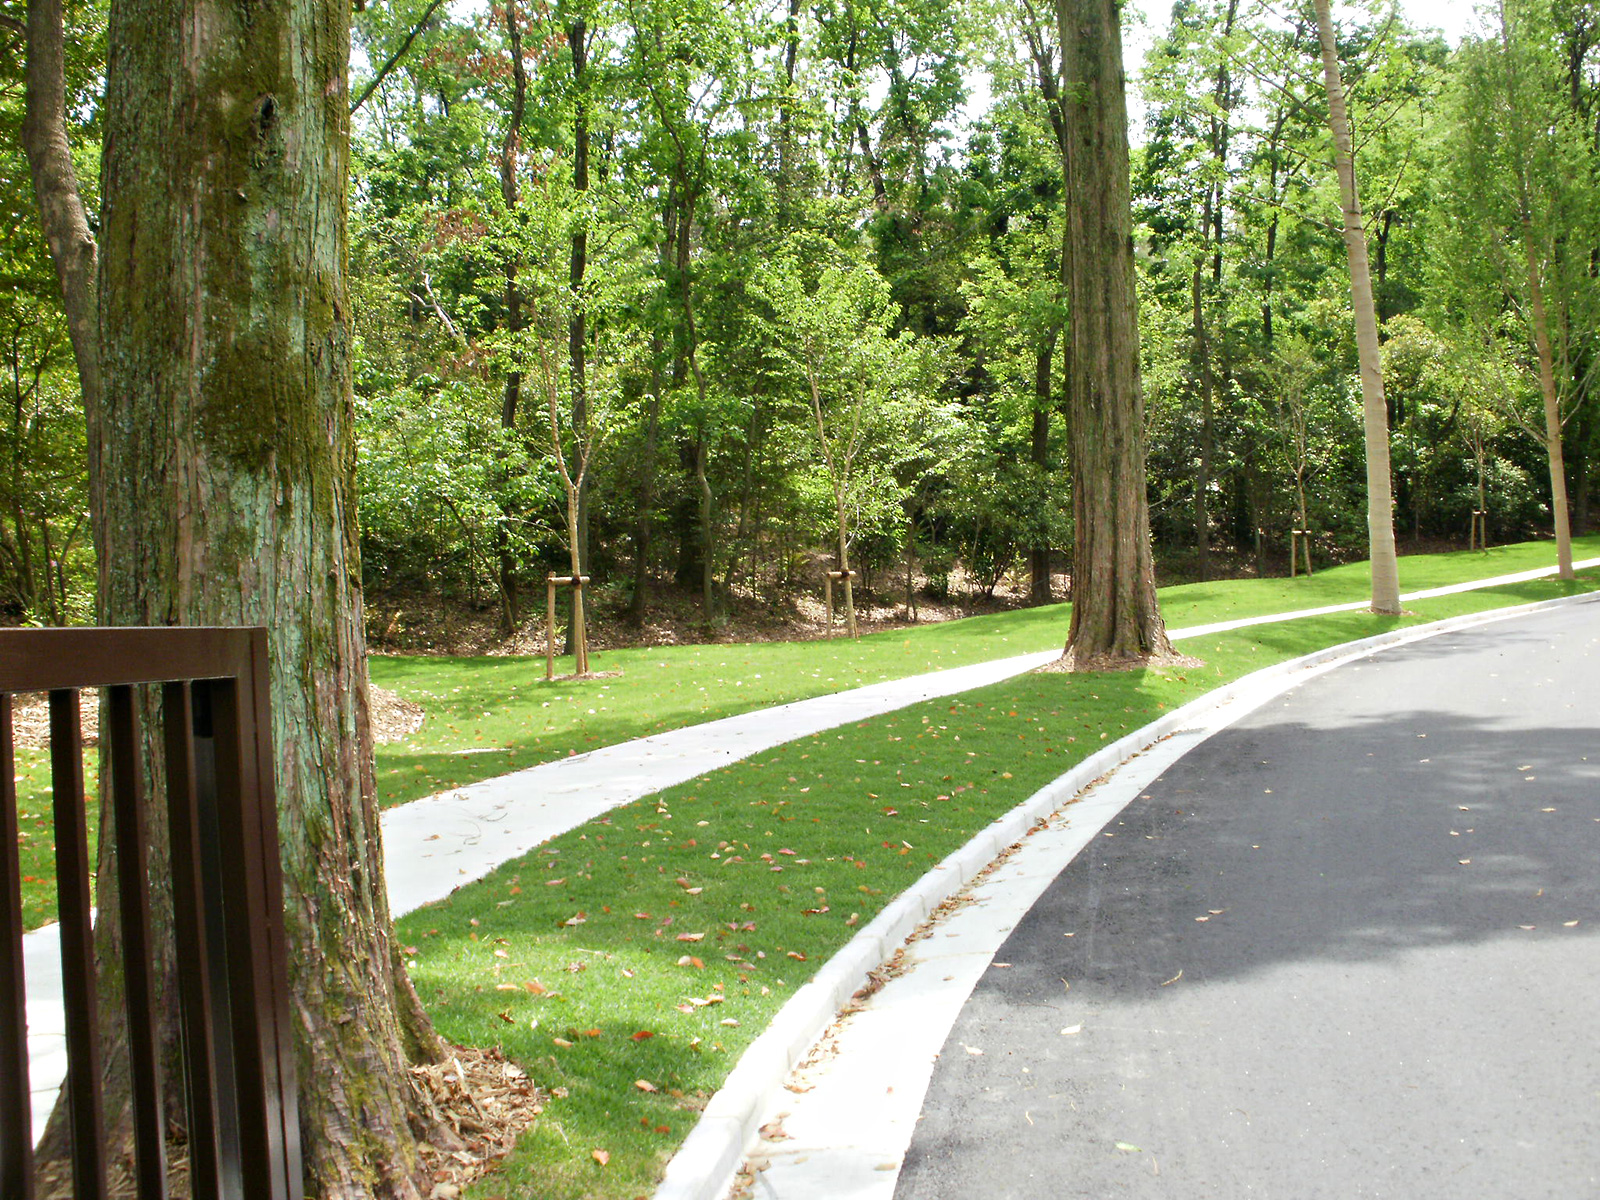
(1375, 415)
(1559, 513)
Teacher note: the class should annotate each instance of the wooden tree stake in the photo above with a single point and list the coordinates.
(580, 635)
(849, 600)
(1299, 543)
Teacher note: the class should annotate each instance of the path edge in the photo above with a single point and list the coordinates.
(705, 1165)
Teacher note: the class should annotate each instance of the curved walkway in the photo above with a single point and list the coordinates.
(436, 844)
(455, 837)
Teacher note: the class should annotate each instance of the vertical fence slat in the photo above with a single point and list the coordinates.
(194, 969)
(255, 1044)
(77, 948)
(16, 1123)
(139, 952)
(260, 781)
(234, 1007)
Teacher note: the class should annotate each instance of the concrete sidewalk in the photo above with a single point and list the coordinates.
(434, 845)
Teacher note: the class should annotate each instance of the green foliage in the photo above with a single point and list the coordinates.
(46, 559)
(753, 184)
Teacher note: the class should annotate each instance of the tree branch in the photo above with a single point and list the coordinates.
(394, 59)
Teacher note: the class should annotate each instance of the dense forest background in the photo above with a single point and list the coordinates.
(697, 291)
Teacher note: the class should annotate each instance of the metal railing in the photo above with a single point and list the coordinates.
(227, 930)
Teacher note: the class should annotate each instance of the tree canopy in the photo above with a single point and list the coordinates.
(640, 210)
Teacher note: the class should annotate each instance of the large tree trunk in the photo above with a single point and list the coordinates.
(1115, 616)
(1375, 414)
(229, 428)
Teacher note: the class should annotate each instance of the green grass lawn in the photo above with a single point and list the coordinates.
(36, 839)
(488, 716)
(626, 964)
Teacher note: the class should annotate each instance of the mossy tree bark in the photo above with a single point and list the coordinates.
(1375, 412)
(229, 454)
(1115, 616)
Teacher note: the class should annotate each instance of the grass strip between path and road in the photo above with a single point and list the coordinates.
(627, 964)
(491, 715)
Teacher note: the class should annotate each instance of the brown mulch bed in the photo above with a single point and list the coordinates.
(418, 622)
(393, 718)
(478, 1102)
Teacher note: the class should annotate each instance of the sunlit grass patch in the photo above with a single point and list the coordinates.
(36, 836)
(488, 716)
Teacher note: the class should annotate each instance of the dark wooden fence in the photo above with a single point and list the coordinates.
(238, 1059)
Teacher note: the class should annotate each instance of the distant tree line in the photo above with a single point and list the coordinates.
(777, 291)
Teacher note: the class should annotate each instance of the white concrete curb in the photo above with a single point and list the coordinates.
(705, 1165)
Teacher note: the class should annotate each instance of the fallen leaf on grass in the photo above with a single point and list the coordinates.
(691, 937)
(644, 1085)
(642, 1035)
(600, 1156)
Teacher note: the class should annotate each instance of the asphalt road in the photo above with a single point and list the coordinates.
(1348, 948)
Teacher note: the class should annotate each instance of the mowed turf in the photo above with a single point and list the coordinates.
(627, 963)
(488, 716)
(491, 715)
(36, 833)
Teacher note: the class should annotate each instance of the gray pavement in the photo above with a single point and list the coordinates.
(1347, 947)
